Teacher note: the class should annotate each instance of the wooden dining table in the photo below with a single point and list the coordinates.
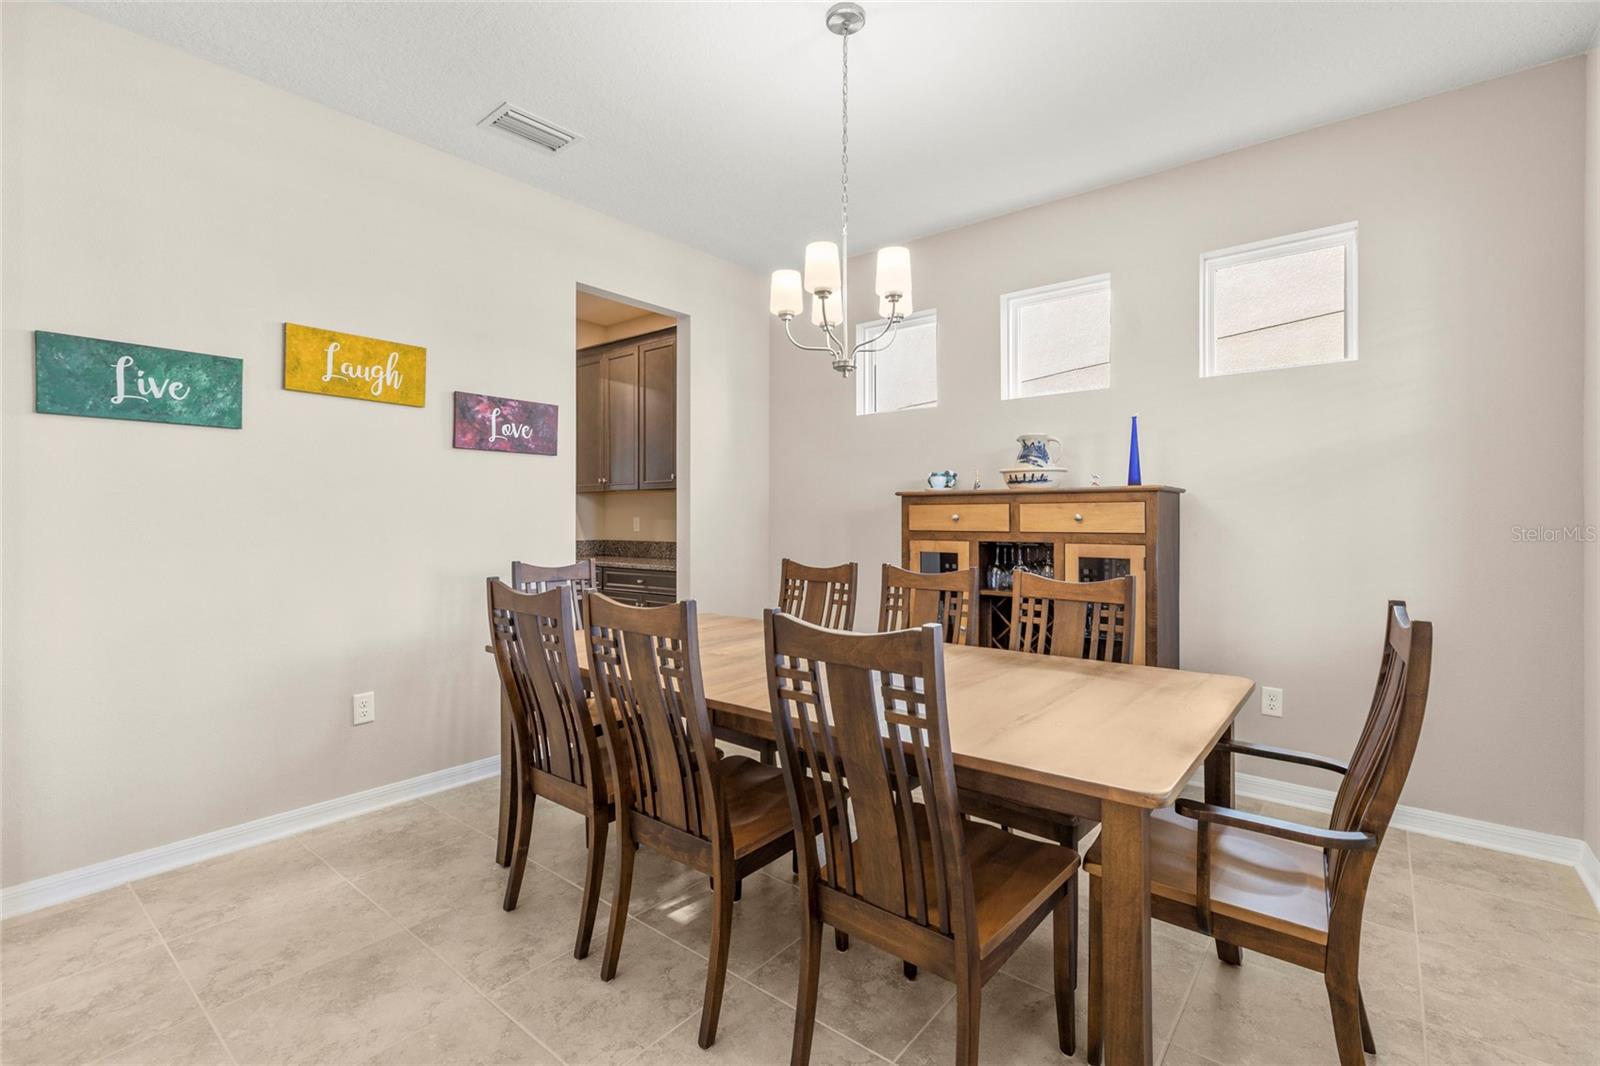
(1102, 741)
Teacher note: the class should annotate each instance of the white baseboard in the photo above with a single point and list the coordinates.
(59, 888)
(1531, 843)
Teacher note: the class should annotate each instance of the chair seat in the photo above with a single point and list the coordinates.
(1011, 876)
(1256, 879)
(758, 806)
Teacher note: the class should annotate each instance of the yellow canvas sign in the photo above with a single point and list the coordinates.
(362, 368)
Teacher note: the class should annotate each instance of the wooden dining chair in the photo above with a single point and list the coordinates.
(1077, 619)
(556, 754)
(725, 816)
(822, 595)
(863, 717)
(950, 599)
(526, 577)
(1292, 891)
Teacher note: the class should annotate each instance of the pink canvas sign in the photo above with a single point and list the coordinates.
(496, 424)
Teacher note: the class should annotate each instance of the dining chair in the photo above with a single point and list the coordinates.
(1292, 891)
(862, 717)
(723, 815)
(579, 578)
(1077, 619)
(911, 598)
(556, 754)
(822, 595)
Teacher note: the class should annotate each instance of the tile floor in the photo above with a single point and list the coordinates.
(381, 940)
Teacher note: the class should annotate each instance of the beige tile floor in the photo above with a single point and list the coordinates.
(381, 940)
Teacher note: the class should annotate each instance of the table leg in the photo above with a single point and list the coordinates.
(508, 787)
(1125, 933)
(1219, 793)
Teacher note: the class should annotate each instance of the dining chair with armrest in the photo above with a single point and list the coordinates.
(1291, 891)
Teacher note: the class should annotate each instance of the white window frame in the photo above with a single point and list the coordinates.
(1012, 303)
(1342, 235)
(866, 376)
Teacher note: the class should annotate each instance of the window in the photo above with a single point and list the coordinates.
(1056, 338)
(905, 372)
(1279, 303)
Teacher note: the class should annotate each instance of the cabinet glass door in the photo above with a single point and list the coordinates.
(939, 556)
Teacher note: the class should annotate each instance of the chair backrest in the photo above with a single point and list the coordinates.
(1077, 619)
(821, 595)
(950, 599)
(865, 715)
(1371, 787)
(578, 577)
(645, 670)
(537, 656)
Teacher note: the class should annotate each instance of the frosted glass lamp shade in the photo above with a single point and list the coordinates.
(786, 298)
(894, 270)
(822, 267)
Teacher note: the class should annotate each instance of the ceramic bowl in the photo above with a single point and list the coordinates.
(1034, 477)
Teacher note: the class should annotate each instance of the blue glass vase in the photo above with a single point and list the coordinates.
(1133, 455)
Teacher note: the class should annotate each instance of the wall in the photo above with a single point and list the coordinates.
(189, 610)
(1591, 469)
(1314, 494)
(610, 515)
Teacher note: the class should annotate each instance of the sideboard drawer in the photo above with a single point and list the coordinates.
(984, 517)
(1080, 517)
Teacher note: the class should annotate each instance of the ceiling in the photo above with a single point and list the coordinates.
(603, 312)
(718, 124)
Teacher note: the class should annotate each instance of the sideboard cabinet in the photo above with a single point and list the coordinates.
(1071, 534)
(627, 414)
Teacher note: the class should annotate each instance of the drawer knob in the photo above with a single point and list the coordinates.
(1077, 518)
(955, 518)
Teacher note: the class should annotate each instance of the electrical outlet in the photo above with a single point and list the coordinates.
(636, 523)
(1272, 702)
(363, 708)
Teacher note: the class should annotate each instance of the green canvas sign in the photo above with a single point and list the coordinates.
(109, 379)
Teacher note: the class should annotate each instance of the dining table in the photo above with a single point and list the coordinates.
(1098, 741)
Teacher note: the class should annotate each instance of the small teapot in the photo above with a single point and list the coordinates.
(1036, 449)
(942, 479)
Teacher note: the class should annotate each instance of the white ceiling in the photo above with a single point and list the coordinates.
(718, 124)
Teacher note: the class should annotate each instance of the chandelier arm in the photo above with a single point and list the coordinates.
(869, 347)
(829, 348)
(866, 343)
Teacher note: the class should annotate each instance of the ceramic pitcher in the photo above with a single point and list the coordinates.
(1038, 449)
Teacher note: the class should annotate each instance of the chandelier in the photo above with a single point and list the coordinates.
(824, 275)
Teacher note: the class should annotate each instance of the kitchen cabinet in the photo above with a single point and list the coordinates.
(627, 400)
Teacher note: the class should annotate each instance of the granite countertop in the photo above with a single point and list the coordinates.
(636, 562)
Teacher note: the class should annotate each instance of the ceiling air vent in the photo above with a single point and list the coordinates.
(519, 123)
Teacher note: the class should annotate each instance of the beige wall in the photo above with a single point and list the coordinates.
(1591, 474)
(1313, 494)
(610, 515)
(189, 610)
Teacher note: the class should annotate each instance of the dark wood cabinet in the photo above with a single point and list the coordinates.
(591, 423)
(622, 419)
(658, 413)
(627, 409)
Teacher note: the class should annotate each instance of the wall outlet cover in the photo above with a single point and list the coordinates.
(363, 708)
(1272, 702)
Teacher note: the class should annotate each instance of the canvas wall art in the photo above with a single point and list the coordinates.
(97, 378)
(360, 368)
(496, 424)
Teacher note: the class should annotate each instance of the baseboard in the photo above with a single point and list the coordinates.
(70, 884)
(1531, 843)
